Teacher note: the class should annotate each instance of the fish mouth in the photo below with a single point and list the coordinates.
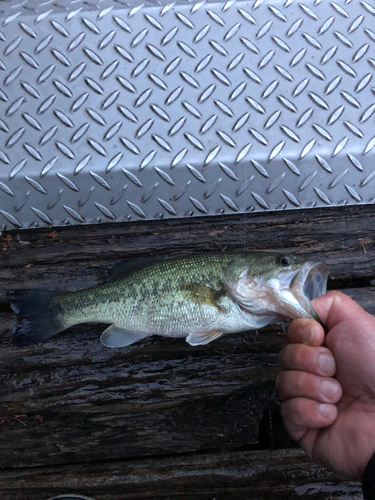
(310, 282)
(289, 296)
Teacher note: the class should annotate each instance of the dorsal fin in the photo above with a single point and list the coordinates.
(128, 266)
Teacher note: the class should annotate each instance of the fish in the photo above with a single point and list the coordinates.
(198, 297)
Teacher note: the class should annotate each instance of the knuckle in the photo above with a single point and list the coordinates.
(299, 382)
(293, 325)
(294, 330)
(303, 412)
(299, 356)
(285, 355)
(282, 384)
(281, 354)
(335, 295)
(291, 417)
(285, 411)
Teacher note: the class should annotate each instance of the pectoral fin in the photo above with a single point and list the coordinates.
(202, 294)
(202, 338)
(115, 336)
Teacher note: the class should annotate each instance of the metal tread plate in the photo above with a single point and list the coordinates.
(114, 111)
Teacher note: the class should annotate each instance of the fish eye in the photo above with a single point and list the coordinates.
(284, 261)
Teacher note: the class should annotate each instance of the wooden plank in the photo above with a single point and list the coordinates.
(261, 475)
(156, 397)
(160, 396)
(343, 237)
(82, 403)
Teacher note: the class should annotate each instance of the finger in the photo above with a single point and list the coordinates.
(292, 384)
(335, 307)
(316, 360)
(305, 331)
(302, 414)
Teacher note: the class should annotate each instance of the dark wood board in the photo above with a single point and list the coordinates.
(255, 475)
(75, 257)
(80, 403)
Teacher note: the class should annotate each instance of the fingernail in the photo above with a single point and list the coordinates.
(328, 388)
(324, 410)
(326, 363)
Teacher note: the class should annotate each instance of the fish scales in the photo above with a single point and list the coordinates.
(142, 301)
(199, 297)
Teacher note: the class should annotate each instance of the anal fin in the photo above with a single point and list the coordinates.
(115, 336)
(204, 337)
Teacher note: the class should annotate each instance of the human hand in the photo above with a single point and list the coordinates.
(333, 419)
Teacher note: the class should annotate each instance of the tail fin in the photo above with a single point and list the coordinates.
(38, 317)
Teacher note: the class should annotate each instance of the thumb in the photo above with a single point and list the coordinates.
(335, 307)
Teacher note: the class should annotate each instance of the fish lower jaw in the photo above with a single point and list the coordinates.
(292, 306)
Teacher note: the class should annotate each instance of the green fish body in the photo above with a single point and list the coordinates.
(189, 297)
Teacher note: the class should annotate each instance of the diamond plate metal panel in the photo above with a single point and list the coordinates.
(114, 111)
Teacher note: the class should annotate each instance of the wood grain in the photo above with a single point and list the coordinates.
(71, 258)
(260, 475)
(71, 406)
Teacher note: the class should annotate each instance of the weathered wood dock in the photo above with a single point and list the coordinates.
(162, 419)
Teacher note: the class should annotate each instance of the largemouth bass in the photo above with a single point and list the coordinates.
(198, 297)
